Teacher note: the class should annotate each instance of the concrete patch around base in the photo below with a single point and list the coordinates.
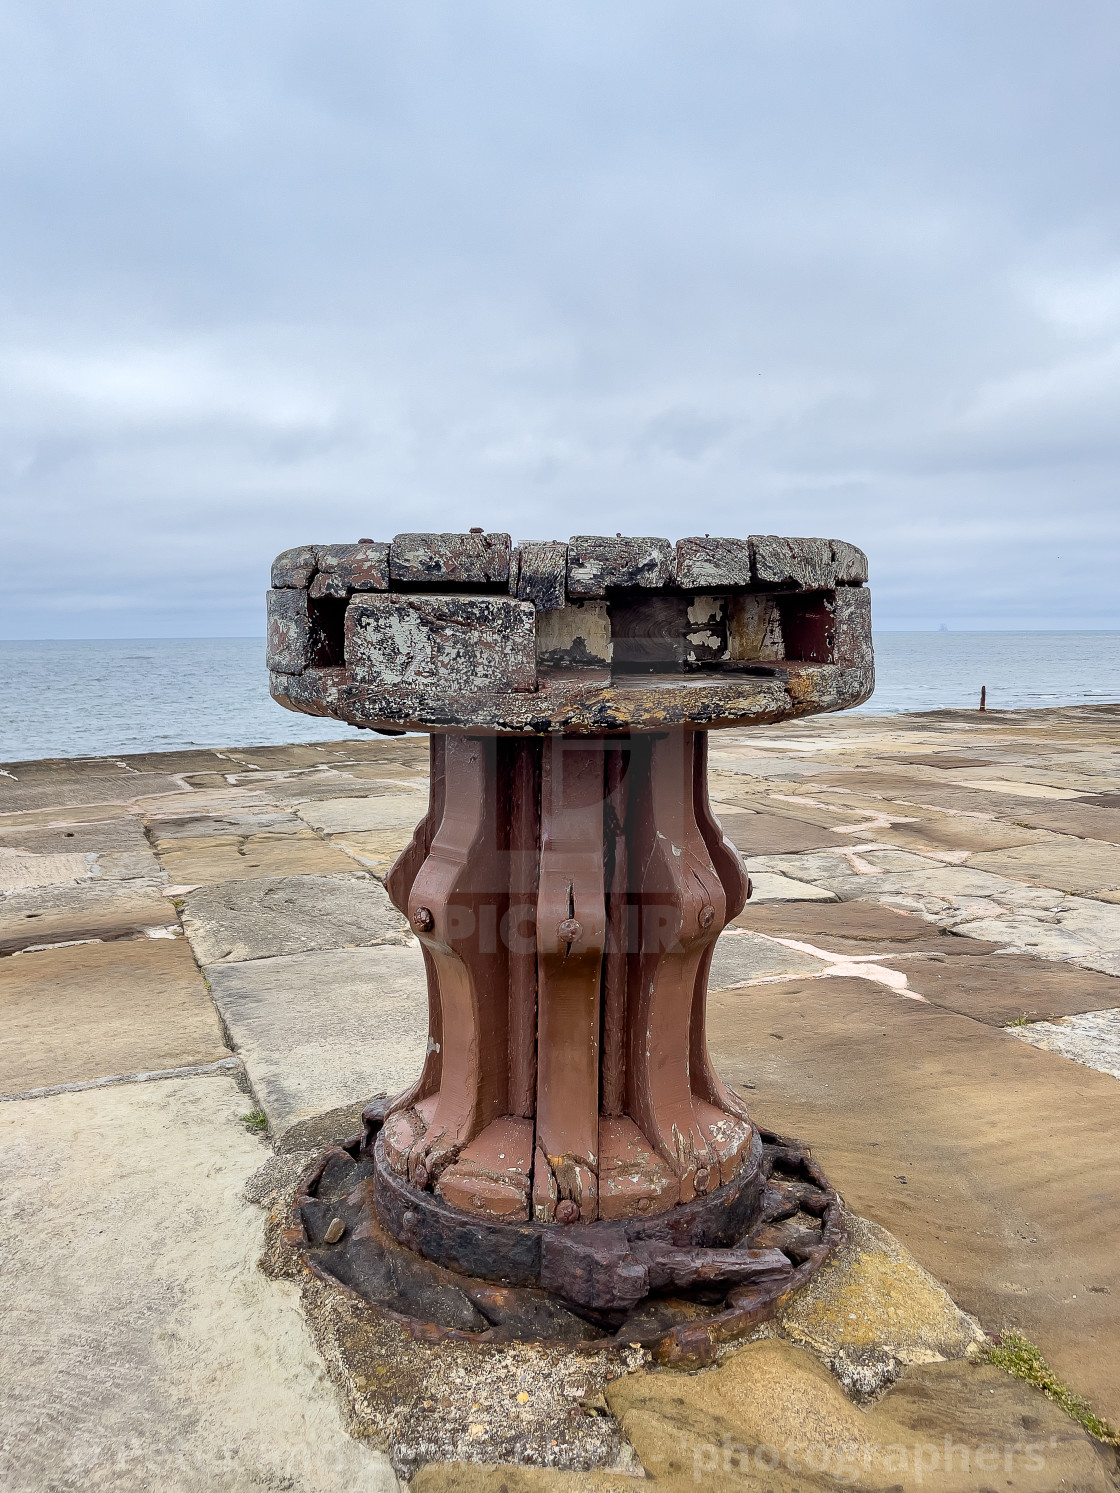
(1092, 1039)
(872, 1305)
(386, 811)
(320, 1030)
(949, 1133)
(91, 909)
(130, 1006)
(142, 1348)
(1000, 988)
(768, 886)
(214, 859)
(240, 920)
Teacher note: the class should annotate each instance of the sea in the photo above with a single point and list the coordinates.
(102, 697)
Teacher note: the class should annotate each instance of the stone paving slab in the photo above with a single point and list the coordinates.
(91, 909)
(1074, 866)
(215, 858)
(1074, 818)
(261, 919)
(142, 1348)
(320, 1030)
(342, 816)
(771, 887)
(854, 928)
(971, 835)
(773, 834)
(741, 957)
(70, 1015)
(994, 1163)
(1002, 988)
(1092, 1039)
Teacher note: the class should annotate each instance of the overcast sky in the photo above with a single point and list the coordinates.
(277, 272)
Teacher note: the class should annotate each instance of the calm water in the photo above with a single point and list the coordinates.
(79, 699)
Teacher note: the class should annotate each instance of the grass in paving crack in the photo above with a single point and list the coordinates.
(1018, 1356)
(256, 1119)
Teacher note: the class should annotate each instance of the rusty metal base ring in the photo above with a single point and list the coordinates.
(610, 1290)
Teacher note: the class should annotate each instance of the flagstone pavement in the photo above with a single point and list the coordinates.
(921, 990)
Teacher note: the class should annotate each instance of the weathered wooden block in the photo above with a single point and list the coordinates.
(542, 573)
(450, 560)
(295, 567)
(598, 564)
(449, 644)
(703, 561)
(577, 636)
(288, 650)
(852, 646)
(345, 568)
(810, 564)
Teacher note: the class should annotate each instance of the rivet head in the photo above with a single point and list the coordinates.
(702, 1178)
(420, 1178)
(707, 916)
(422, 920)
(335, 1230)
(750, 888)
(567, 1211)
(569, 931)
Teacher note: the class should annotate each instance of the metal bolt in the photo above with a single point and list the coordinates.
(707, 916)
(422, 920)
(420, 1178)
(567, 1211)
(477, 531)
(750, 889)
(335, 1231)
(702, 1178)
(569, 931)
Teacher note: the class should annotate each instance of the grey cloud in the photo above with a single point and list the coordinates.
(274, 272)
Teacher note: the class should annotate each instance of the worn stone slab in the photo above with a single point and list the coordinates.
(700, 562)
(768, 886)
(943, 1130)
(452, 643)
(96, 836)
(319, 1030)
(65, 792)
(142, 1348)
(346, 568)
(542, 570)
(473, 559)
(598, 564)
(167, 831)
(130, 1006)
(1070, 865)
(1092, 1038)
(22, 869)
(339, 816)
(214, 858)
(1072, 818)
(854, 928)
(261, 919)
(295, 567)
(1001, 988)
(741, 957)
(970, 835)
(809, 564)
(89, 909)
(375, 849)
(774, 834)
(1102, 800)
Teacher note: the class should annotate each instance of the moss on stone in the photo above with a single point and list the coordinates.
(1018, 1356)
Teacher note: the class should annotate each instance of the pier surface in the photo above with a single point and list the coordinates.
(925, 987)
